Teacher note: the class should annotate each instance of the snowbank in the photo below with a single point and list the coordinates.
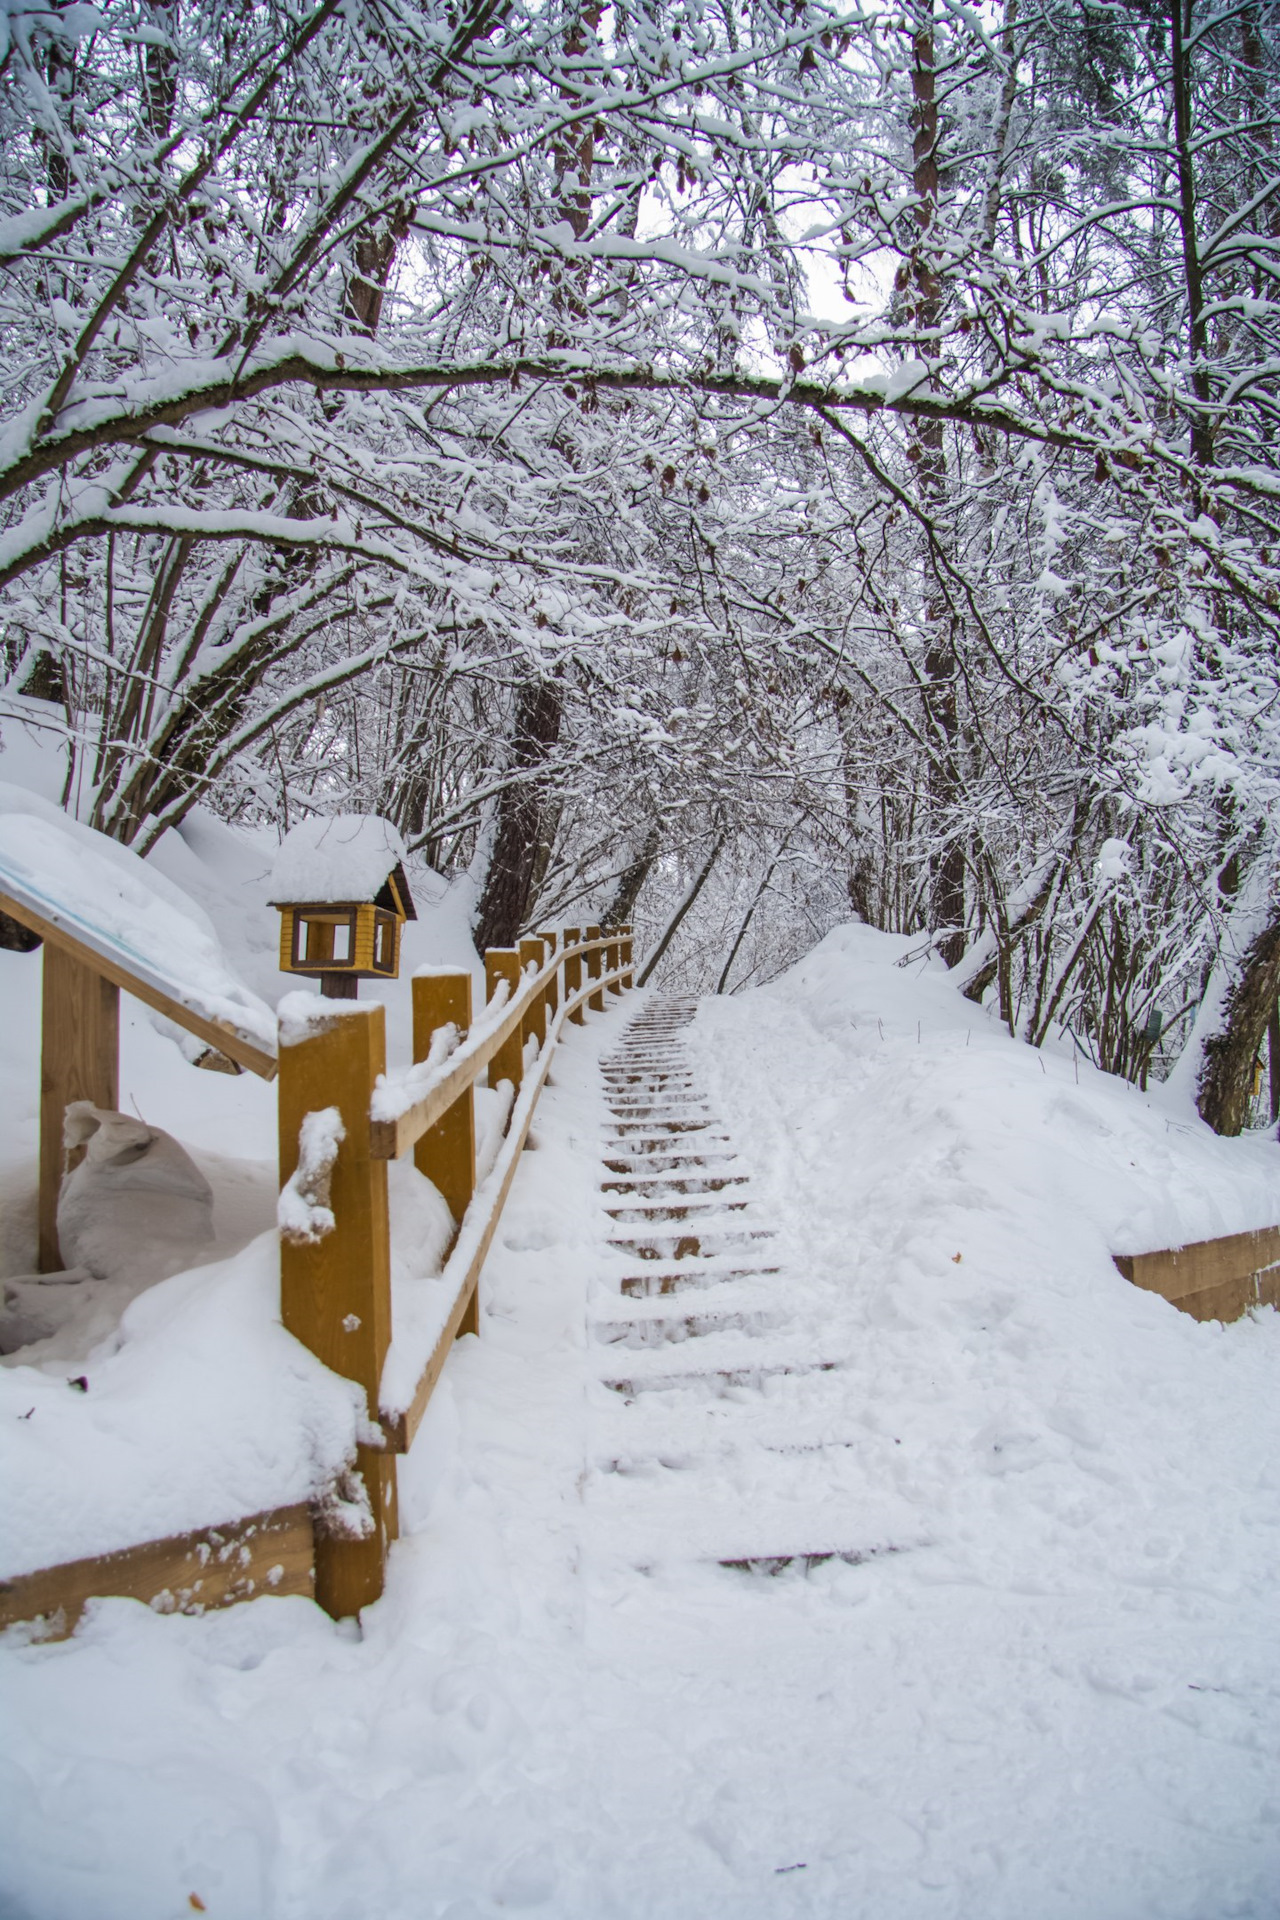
(119, 905)
(200, 1409)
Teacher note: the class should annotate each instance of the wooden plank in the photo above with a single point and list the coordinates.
(79, 1060)
(187, 1573)
(573, 968)
(533, 953)
(446, 1153)
(400, 1427)
(595, 961)
(1216, 1279)
(552, 993)
(335, 1292)
(506, 1059)
(229, 1040)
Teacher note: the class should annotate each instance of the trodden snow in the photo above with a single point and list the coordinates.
(1037, 1678)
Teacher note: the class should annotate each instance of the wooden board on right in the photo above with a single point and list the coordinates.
(1212, 1279)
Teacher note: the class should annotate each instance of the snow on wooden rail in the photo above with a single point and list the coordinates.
(335, 1280)
(335, 1284)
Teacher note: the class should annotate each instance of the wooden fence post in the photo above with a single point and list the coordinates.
(446, 1153)
(552, 995)
(594, 962)
(533, 951)
(335, 1291)
(628, 979)
(79, 1060)
(503, 963)
(613, 959)
(573, 972)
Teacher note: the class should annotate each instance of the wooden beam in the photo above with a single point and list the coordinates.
(573, 969)
(1212, 1279)
(533, 953)
(335, 1291)
(79, 1060)
(595, 963)
(145, 987)
(446, 1153)
(187, 1573)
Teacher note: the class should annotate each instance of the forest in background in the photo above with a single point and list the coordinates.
(754, 463)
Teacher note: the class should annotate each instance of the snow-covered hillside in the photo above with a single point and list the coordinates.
(1037, 1677)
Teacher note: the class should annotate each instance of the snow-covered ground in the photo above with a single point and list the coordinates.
(1043, 1681)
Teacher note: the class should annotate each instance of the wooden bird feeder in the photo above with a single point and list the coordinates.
(340, 888)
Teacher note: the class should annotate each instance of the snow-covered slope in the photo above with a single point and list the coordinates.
(1045, 1682)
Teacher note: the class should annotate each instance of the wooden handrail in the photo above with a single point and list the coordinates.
(336, 1258)
(336, 1283)
(392, 1136)
(401, 1404)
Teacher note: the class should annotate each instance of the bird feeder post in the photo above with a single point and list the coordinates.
(446, 1153)
(335, 1289)
(573, 971)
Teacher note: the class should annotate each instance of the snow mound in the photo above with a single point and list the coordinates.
(124, 909)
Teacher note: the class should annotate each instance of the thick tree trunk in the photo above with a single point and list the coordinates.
(1225, 1086)
(627, 892)
(941, 666)
(508, 889)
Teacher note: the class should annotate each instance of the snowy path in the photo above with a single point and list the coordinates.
(713, 1431)
(774, 1560)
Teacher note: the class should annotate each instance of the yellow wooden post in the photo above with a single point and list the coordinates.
(533, 950)
(628, 978)
(552, 995)
(573, 972)
(594, 964)
(613, 959)
(79, 1060)
(446, 1153)
(503, 963)
(335, 1291)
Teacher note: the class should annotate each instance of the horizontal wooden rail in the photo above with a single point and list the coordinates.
(1212, 1279)
(392, 1135)
(188, 1573)
(401, 1411)
(132, 972)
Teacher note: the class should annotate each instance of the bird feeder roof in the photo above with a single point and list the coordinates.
(341, 859)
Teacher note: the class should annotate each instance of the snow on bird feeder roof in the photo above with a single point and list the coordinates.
(340, 859)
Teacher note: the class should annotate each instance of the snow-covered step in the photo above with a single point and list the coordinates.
(660, 1282)
(673, 1246)
(705, 1209)
(672, 1183)
(671, 1329)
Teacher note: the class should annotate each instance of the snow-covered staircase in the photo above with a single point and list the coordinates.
(715, 1429)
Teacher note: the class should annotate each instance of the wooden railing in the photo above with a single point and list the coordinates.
(335, 1267)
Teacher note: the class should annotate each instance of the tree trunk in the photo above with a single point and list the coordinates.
(627, 892)
(941, 666)
(1225, 1087)
(507, 896)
